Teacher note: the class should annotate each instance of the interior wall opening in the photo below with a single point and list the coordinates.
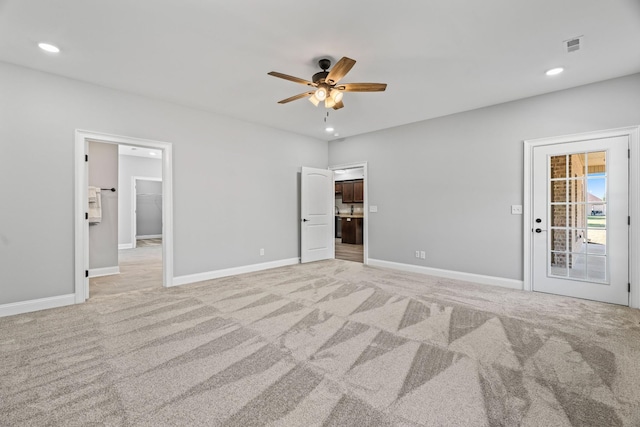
(128, 227)
(350, 214)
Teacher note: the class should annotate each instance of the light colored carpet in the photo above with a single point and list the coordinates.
(331, 343)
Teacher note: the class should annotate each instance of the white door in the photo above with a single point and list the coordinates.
(580, 219)
(316, 208)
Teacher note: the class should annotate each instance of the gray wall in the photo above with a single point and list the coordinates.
(446, 185)
(131, 166)
(103, 236)
(148, 208)
(235, 183)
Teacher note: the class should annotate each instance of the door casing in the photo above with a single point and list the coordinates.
(81, 257)
(633, 133)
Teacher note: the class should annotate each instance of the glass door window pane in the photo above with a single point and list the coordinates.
(559, 215)
(577, 216)
(558, 191)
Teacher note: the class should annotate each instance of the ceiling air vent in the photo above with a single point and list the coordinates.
(573, 44)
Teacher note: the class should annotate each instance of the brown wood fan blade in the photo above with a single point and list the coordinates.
(295, 97)
(339, 70)
(362, 87)
(338, 105)
(291, 78)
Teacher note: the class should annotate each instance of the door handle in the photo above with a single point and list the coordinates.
(539, 230)
(305, 220)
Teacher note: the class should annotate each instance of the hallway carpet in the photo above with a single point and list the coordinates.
(331, 343)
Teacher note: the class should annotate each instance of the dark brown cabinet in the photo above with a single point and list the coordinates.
(358, 191)
(347, 192)
(352, 231)
(352, 191)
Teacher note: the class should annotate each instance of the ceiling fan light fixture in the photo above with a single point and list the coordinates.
(315, 101)
(336, 95)
(321, 94)
(329, 103)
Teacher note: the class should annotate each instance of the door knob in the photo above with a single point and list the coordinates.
(538, 220)
(538, 230)
(305, 220)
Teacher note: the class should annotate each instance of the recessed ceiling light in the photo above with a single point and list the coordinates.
(554, 71)
(49, 47)
(329, 129)
(152, 153)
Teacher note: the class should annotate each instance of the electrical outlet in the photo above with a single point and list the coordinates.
(423, 255)
(261, 251)
(516, 209)
(417, 254)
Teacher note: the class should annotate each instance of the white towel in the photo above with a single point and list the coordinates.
(92, 194)
(95, 206)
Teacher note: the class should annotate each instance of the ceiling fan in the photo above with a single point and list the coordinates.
(325, 84)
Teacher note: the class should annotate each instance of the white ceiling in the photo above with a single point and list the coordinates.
(438, 57)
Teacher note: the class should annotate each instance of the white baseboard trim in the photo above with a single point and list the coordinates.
(450, 274)
(36, 305)
(216, 274)
(149, 236)
(125, 246)
(104, 271)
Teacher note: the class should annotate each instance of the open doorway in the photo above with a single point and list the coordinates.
(146, 212)
(142, 262)
(139, 257)
(350, 213)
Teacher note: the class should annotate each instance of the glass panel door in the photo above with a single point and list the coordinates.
(579, 219)
(577, 238)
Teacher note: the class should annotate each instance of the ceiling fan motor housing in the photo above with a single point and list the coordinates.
(319, 77)
(324, 64)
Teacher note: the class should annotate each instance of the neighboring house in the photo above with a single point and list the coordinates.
(595, 205)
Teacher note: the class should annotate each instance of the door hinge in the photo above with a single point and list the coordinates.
(629, 153)
(86, 215)
(629, 288)
(629, 220)
(86, 157)
(86, 273)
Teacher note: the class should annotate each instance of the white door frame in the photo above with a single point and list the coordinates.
(633, 133)
(365, 204)
(134, 206)
(82, 138)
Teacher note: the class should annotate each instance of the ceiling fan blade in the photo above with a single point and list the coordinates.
(295, 97)
(291, 78)
(362, 87)
(339, 70)
(338, 105)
